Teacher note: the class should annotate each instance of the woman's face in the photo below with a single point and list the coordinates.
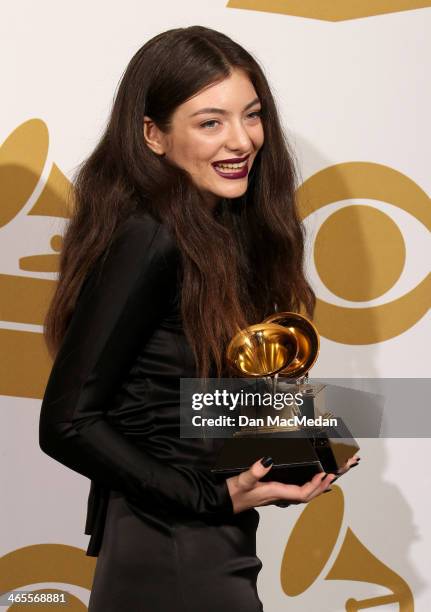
(215, 136)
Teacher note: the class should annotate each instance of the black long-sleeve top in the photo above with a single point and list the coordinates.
(111, 406)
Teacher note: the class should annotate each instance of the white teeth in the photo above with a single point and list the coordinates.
(231, 166)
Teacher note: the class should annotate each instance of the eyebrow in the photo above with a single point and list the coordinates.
(221, 111)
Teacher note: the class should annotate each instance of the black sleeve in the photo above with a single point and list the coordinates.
(116, 312)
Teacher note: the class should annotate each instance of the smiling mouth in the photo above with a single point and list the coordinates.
(231, 170)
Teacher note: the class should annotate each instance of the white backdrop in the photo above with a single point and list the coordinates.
(349, 91)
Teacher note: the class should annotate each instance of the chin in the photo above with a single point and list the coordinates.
(235, 192)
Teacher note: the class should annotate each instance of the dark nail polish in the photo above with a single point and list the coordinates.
(358, 459)
(267, 461)
(324, 475)
(334, 479)
(327, 490)
(354, 465)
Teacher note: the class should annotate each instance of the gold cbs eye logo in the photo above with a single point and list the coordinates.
(360, 251)
(30, 567)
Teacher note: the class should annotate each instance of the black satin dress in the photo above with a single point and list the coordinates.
(167, 538)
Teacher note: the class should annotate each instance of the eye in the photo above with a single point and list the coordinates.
(207, 123)
(255, 114)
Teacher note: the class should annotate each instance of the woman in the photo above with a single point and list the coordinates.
(183, 229)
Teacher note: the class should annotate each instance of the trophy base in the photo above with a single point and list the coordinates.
(296, 460)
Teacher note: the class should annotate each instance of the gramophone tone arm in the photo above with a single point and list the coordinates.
(352, 605)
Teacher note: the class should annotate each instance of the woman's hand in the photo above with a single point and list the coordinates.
(349, 463)
(247, 491)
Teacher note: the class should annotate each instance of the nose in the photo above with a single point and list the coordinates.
(237, 138)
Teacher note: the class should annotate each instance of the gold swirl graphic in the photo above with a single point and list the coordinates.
(331, 10)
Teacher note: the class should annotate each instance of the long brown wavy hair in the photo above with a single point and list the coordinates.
(239, 262)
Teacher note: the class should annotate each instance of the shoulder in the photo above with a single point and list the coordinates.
(140, 248)
(141, 236)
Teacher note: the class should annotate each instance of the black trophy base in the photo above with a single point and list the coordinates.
(296, 460)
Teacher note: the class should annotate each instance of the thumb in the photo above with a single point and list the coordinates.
(256, 471)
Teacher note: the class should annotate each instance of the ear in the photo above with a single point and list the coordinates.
(153, 136)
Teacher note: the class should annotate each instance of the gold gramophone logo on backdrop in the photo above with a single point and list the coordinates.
(330, 10)
(24, 359)
(311, 543)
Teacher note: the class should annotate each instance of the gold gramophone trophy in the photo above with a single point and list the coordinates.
(280, 352)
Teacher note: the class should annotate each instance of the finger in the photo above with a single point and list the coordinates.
(316, 487)
(250, 477)
(278, 492)
(352, 462)
(320, 491)
(300, 494)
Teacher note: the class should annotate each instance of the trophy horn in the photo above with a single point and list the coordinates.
(308, 342)
(311, 543)
(262, 350)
